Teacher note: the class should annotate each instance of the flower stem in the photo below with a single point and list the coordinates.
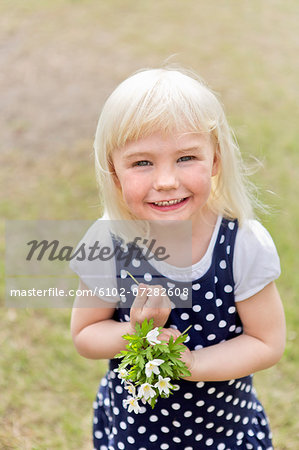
(188, 328)
(134, 279)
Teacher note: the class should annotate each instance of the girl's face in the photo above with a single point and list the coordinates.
(166, 177)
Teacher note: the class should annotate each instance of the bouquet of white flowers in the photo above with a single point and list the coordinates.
(148, 365)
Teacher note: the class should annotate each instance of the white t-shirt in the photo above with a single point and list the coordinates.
(255, 261)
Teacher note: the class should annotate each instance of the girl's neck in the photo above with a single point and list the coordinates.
(185, 242)
(202, 232)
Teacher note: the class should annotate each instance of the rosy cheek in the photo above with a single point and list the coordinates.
(199, 180)
(130, 190)
(132, 184)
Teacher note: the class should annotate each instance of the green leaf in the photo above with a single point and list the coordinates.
(146, 326)
(173, 358)
(149, 354)
(138, 374)
(166, 370)
(121, 354)
(140, 360)
(150, 379)
(162, 348)
(181, 339)
(131, 337)
(185, 373)
(180, 365)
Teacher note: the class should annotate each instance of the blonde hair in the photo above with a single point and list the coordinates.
(165, 100)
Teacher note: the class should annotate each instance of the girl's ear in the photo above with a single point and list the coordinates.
(114, 175)
(116, 180)
(216, 160)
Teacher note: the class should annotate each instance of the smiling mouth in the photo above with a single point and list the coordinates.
(169, 202)
(169, 205)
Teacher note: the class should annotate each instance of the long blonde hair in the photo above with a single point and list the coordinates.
(164, 100)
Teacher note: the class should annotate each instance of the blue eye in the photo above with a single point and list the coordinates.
(141, 163)
(186, 158)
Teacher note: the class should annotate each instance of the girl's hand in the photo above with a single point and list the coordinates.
(187, 356)
(149, 306)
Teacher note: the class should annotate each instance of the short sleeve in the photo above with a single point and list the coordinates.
(95, 262)
(256, 262)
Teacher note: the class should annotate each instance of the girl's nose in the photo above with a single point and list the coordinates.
(166, 179)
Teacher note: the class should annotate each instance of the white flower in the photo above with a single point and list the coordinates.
(131, 388)
(132, 402)
(163, 385)
(152, 336)
(152, 366)
(122, 373)
(146, 391)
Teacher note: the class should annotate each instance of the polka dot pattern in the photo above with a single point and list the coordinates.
(203, 415)
(147, 277)
(136, 262)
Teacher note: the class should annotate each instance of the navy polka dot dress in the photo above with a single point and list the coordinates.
(218, 415)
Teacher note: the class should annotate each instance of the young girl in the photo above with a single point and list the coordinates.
(165, 153)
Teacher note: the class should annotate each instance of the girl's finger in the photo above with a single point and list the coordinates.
(165, 335)
(157, 301)
(141, 297)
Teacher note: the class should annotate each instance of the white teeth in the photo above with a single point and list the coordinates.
(170, 202)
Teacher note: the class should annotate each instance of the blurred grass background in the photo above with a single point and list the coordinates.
(59, 60)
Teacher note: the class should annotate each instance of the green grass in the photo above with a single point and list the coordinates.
(61, 59)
